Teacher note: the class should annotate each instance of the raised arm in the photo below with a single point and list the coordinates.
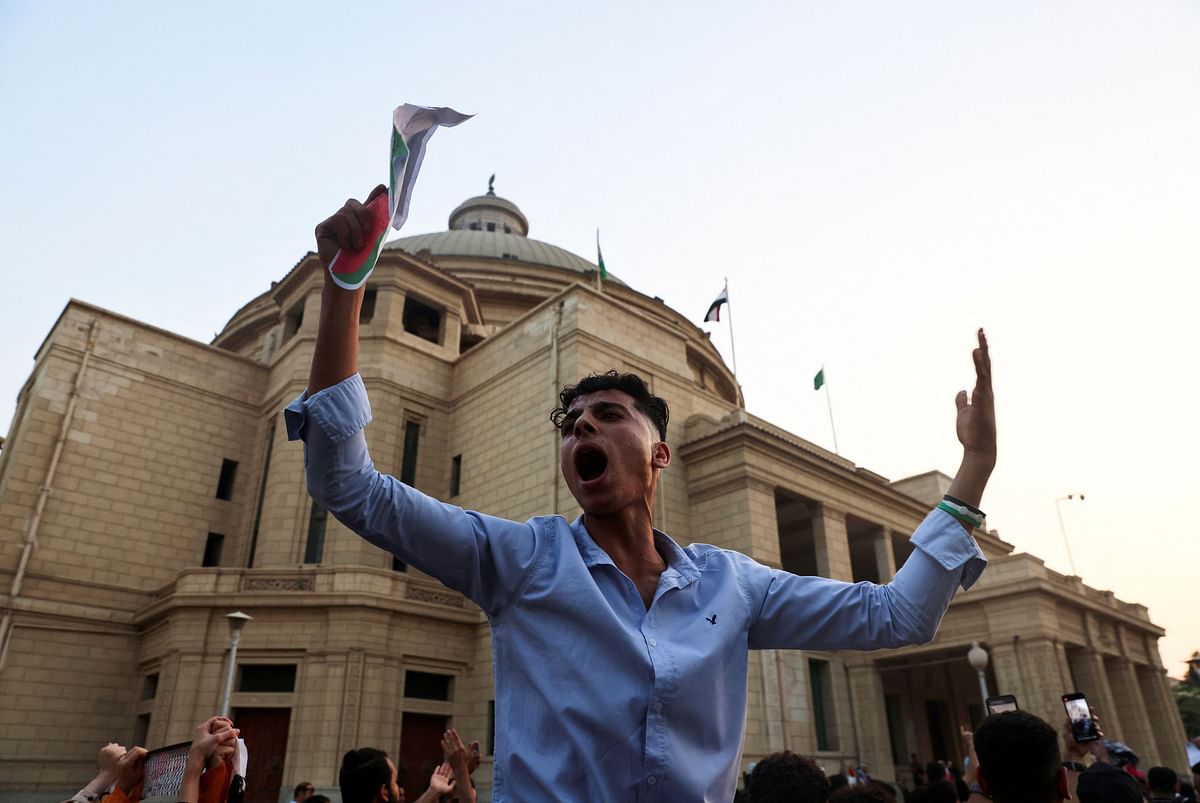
(976, 427)
(818, 613)
(336, 354)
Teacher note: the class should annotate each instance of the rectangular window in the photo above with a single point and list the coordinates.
(212, 550)
(455, 474)
(818, 679)
(314, 548)
(367, 311)
(269, 678)
(149, 688)
(422, 320)
(141, 729)
(491, 743)
(225, 483)
(408, 461)
(426, 685)
(293, 320)
(491, 227)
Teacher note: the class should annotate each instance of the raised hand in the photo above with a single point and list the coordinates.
(976, 424)
(131, 769)
(346, 228)
(442, 780)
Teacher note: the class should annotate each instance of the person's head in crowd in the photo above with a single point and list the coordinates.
(939, 792)
(1196, 775)
(302, 792)
(1104, 783)
(934, 771)
(788, 778)
(837, 781)
(872, 792)
(1019, 759)
(319, 799)
(1164, 782)
(1187, 792)
(369, 776)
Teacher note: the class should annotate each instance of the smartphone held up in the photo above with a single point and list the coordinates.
(1083, 724)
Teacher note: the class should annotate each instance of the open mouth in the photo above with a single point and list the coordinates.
(590, 463)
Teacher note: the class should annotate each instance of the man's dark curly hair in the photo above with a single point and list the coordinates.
(646, 402)
(872, 792)
(788, 778)
(363, 771)
(1018, 757)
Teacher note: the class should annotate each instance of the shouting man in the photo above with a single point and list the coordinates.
(620, 656)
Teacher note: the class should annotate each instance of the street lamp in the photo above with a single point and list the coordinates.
(237, 620)
(978, 658)
(1058, 509)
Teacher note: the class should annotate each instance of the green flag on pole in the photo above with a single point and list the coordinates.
(819, 379)
(600, 257)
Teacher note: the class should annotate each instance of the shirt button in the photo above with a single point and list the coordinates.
(658, 708)
(653, 643)
(652, 780)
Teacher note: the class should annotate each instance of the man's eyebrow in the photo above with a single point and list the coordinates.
(596, 407)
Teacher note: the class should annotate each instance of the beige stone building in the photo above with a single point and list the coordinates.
(147, 489)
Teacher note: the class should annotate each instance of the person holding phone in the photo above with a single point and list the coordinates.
(620, 657)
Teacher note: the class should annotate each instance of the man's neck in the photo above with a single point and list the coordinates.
(628, 537)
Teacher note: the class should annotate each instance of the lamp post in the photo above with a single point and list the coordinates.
(237, 620)
(978, 658)
(1062, 528)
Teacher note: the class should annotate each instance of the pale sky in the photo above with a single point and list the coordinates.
(875, 179)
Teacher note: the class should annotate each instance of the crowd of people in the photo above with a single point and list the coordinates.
(1013, 757)
(210, 771)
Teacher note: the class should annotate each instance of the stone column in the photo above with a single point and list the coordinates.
(832, 543)
(885, 557)
(1164, 715)
(1043, 679)
(1136, 730)
(1091, 678)
(870, 720)
(1007, 669)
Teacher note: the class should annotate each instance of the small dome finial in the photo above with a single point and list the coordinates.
(492, 185)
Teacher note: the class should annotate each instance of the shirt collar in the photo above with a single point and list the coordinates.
(681, 569)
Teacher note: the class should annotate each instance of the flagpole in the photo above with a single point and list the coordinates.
(729, 310)
(599, 266)
(829, 402)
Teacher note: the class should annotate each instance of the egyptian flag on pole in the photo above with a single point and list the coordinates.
(714, 309)
(412, 126)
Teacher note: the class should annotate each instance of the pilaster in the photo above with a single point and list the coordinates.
(832, 543)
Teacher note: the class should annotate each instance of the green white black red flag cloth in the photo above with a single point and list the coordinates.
(412, 126)
(819, 379)
(714, 309)
(600, 258)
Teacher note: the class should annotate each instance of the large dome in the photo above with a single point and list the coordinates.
(491, 227)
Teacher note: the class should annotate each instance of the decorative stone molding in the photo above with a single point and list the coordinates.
(278, 584)
(425, 594)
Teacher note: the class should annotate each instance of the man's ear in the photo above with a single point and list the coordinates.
(384, 794)
(660, 455)
(1064, 789)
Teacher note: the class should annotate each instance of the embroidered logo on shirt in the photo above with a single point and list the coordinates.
(712, 620)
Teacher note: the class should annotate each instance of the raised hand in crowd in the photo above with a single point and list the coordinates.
(440, 783)
(214, 738)
(458, 757)
(131, 769)
(106, 774)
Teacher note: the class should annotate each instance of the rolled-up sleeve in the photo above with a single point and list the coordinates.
(484, 557)
(816, 613)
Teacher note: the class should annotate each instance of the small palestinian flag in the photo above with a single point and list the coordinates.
(714, 309)
(412, 126)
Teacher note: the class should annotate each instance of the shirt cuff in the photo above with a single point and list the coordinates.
(340, 411)
(942, 538)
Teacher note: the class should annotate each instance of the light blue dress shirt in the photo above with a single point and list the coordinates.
(597, 697)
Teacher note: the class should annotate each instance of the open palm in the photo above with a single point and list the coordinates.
(976, 424)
